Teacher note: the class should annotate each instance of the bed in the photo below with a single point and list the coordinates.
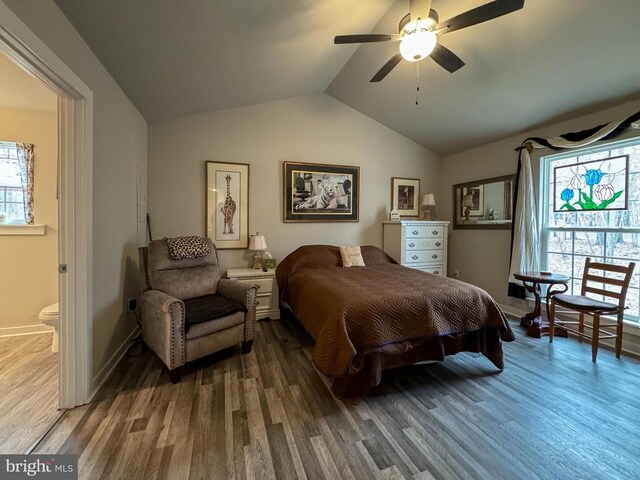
(368, 319)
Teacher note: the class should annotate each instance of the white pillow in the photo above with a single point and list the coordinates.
(351, 256)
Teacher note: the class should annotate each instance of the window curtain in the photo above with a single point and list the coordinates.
(25, 163)
(525, 249)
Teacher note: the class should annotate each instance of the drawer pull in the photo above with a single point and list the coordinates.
(435, 232)
(434, 256)
(415, 257)
(412, 244)
(436, 272)
(438, 244)
(415, 232)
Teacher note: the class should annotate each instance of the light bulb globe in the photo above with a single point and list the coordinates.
(417, 45)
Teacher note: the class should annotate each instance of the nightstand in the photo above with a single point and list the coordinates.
(267, 302)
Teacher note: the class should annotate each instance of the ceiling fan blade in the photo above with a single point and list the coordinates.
(446, 58)
(419, 9)
(386, 68)
(366, 38)
(481, 14)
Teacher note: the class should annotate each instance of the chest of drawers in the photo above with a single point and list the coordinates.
(418, 244)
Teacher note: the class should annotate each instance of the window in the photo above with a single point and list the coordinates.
(16, 183)
(572, 230)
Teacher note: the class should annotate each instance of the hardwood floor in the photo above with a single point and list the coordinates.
(28, 390)
(269, 414)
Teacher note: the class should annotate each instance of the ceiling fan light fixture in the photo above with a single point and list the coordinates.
(417, 45)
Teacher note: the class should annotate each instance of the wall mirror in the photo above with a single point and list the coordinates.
(484, 204)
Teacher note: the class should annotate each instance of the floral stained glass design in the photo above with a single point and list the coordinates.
(595, 185)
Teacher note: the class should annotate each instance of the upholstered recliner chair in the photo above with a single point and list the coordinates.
(188, 311)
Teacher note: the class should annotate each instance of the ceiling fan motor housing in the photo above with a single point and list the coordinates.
(429, 23)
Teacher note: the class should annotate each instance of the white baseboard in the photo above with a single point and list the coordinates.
(630, 338)
(25, 330)
(110, 365)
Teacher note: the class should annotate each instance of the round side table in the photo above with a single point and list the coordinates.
(558, 283)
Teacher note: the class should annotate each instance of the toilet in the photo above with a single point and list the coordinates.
(49, 316)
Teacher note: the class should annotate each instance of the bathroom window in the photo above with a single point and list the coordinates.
(16, 183)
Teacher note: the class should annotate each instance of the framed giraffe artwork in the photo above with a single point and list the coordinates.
(227, 204)
(315, 192)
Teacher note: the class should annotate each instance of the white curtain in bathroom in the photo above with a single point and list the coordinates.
(25, 162)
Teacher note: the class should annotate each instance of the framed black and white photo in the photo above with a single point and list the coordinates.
(405, 196)
(227, 211)
(320, 193)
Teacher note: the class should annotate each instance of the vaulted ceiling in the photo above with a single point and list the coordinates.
(549, 61)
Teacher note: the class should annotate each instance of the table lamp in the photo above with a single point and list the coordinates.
(467, 204)
(257, 243)
(428, 200)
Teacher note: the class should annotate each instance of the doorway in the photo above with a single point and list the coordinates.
(29, 316)
(75, 157)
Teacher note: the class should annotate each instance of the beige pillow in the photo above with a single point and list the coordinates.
(351, 256)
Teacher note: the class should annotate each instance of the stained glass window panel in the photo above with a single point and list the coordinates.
(591, 185)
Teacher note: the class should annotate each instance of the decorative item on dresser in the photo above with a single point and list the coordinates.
(418, 244)
(267, 299)
(428, 201)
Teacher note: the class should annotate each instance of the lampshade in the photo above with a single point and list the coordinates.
(417, 45)
(428, 200)
(257, 242)
(467, 200)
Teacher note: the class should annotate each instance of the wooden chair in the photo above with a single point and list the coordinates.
(585, 305)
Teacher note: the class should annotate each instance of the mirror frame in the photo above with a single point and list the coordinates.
(475, 226)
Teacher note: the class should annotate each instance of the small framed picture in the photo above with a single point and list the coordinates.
(227, 209)
(405, 196)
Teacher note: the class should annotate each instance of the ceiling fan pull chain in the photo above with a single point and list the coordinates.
(417, 80)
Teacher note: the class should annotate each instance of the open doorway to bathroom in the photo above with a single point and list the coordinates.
(29, 245)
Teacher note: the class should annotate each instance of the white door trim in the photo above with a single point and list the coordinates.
(75, 153)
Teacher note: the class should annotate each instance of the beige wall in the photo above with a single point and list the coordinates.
(119, 147)
(314, 128)
(29, 279)
(482, 256)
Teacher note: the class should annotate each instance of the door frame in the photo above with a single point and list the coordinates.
(75, 162)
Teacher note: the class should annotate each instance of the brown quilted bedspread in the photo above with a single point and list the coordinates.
(383, 307)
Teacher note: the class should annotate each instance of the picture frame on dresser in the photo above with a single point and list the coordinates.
(227, 204)
(316, 192)
(405, 196)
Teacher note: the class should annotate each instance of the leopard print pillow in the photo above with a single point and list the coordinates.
(351, 256)
(187, 247)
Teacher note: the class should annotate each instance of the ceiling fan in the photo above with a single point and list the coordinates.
(418, 33)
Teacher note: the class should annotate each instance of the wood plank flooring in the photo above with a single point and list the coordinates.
(270, 414)
(28, 390)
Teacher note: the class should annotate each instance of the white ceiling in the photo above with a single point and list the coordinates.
(20, 90)
(549, 61)
(175, 58)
